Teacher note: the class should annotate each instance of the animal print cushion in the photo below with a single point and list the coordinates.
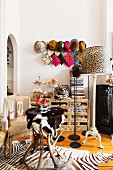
(18, 126)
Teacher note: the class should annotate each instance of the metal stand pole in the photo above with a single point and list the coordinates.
(74, 136)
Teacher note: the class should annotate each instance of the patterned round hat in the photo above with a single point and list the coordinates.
(53, 82)
(40, 46)
(53, 45)
(60, 46)
(82, 46)
(74, 45)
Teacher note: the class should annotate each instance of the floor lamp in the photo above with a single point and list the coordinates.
(75, 73)
(95, 61)
(84, 132)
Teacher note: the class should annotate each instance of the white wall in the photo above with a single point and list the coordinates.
(59, 20)
(110, 27)
(13, 30)
(9, 24)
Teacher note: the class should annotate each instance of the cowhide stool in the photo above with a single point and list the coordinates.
(40, 122)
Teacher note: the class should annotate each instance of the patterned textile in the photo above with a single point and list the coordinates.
(61, 92)
(56, 60)
(69, 59)
(18, 126)
(47, 59)
(74, 54)
(96, 60)
(72, 159)
(62, 59)
(16, 146)
(92, 161)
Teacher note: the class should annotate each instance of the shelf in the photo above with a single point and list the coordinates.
(82, 120)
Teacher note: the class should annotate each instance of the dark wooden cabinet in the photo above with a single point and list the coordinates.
(104, 108)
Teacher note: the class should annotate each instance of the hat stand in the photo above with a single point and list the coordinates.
(74, 136)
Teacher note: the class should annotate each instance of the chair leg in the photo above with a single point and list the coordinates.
(5, 143)
(10, 147)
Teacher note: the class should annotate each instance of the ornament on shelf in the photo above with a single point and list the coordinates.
(53, 82)
(38, 82)
(40, 102)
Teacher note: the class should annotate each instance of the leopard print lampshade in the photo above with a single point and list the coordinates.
(96, 60)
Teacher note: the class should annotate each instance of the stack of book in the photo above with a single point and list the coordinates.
(77, 87)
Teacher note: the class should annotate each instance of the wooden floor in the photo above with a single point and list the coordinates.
(92, 146)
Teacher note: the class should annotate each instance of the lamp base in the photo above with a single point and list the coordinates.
(93, 132)
(75, 145)
(73, 137)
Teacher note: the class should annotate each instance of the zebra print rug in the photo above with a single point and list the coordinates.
(72, 159)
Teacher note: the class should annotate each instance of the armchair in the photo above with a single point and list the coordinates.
(17, 121)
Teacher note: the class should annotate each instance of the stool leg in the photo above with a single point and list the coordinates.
(50, 145)
(23, 159)
(42, 147)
